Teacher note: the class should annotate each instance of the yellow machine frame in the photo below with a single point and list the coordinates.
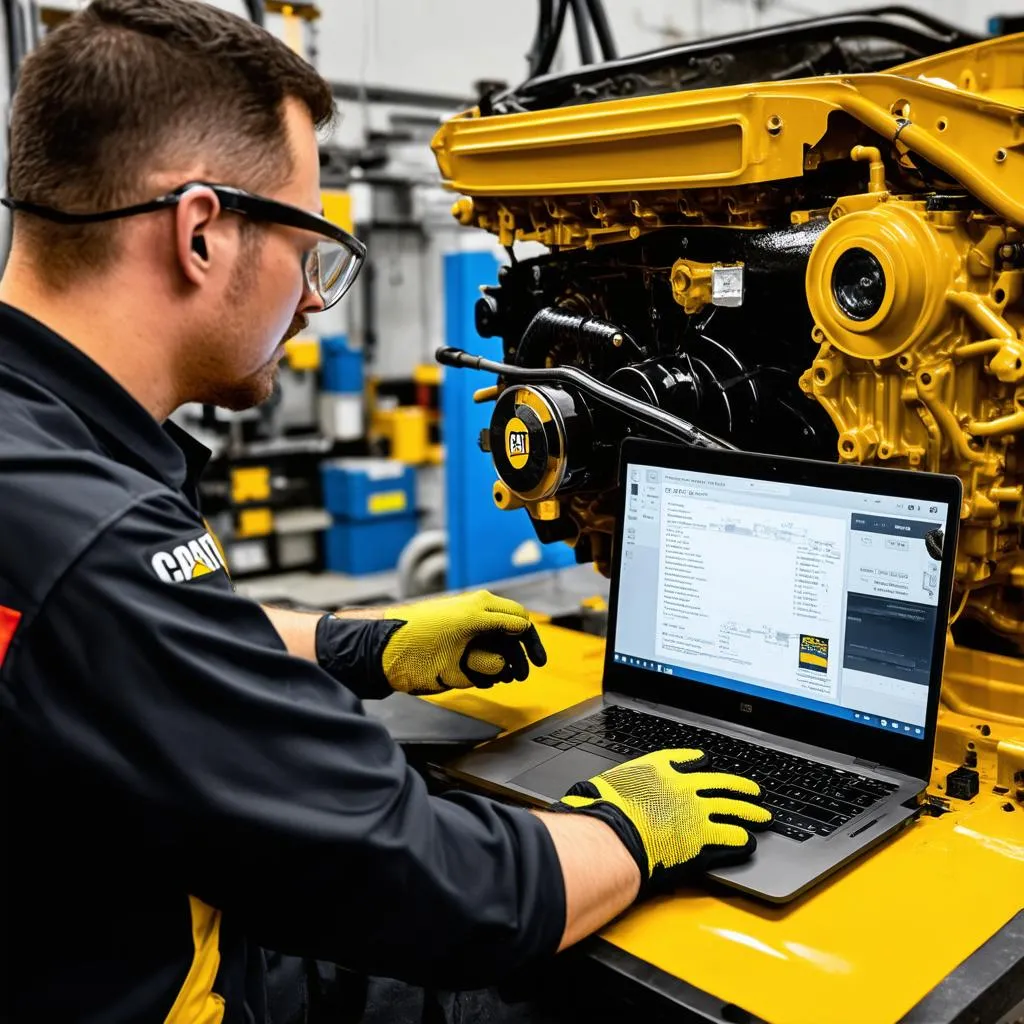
(960, 110)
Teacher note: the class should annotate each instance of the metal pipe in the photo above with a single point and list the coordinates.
(649, 415)
(876, 169)
(978, 348)
(919, 140)
(1009, 424)
(984, 317)
(950, 426)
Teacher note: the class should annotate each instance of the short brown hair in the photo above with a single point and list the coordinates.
(127, 86)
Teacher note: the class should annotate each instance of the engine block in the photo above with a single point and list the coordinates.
(827, 267)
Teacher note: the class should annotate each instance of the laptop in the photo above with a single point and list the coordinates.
(788, 617)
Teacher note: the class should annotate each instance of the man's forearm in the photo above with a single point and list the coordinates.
(601, 877)
(347, 647)
(296, 629)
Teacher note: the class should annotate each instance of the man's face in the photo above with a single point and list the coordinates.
(266, 300)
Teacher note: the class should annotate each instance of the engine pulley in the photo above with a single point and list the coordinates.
(540, 438)
(667, 383)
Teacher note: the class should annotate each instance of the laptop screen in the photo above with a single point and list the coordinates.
(821, 599)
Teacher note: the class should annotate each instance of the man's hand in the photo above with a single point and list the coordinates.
(673, 818)
(457, 642)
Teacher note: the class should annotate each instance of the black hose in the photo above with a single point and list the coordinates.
(544, 28)
(604, 33)
(547, 54)
(551, 326)
(923, 40)
(579, 17)
(657, 419)
(256, 11)
(15, 26)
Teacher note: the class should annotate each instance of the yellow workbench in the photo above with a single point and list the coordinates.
(865, 946)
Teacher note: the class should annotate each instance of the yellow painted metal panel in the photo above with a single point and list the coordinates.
(748, 134)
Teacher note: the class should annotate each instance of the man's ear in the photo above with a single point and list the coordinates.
(195, 213)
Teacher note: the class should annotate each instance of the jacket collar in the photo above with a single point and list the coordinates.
(120, 424)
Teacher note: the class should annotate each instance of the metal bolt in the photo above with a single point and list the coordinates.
(774, 125)
(617, 340)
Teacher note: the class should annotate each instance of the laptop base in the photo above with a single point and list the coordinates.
(520, 770)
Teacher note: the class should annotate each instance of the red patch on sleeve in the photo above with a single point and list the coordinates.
(9, 620)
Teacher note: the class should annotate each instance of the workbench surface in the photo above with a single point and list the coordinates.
(867, 944)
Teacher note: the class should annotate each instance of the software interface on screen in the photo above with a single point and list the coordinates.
(817, 598)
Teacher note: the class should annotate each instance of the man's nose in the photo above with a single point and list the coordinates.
(311, 302)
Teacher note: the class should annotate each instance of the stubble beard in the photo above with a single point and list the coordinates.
(254, 390)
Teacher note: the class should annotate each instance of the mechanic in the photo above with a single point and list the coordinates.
(189, 779)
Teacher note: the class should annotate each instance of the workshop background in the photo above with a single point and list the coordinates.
(362, 480)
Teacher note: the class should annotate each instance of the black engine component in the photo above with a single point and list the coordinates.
(540, 437)
(731, 371)
(858, 284)
(962, 784)
(669, 383)
(597, 346)
(848, 42)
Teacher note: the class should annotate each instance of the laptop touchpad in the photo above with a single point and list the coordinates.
(556, 775)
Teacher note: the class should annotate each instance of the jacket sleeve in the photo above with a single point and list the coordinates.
(350, 651)
(261, 786)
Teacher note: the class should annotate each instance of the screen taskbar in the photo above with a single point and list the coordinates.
(875, 721)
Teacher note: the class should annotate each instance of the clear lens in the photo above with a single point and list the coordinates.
(330, 270)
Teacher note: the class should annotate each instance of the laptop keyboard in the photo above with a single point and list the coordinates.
(807, 798)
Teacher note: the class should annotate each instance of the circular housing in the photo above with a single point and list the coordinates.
(858, 284)
(540, 437)
(877, 279)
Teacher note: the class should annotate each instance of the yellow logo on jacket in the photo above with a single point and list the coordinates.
(189, 560)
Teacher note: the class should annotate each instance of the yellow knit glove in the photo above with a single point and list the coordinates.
(674, 819)
(457, 642)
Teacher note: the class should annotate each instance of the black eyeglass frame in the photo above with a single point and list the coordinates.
(256, 208)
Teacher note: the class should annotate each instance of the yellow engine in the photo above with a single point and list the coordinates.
(920, 365)
(828, 267)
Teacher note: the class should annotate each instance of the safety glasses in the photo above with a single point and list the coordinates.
(329, 268)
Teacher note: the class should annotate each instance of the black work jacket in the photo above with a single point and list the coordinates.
(177, 792)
